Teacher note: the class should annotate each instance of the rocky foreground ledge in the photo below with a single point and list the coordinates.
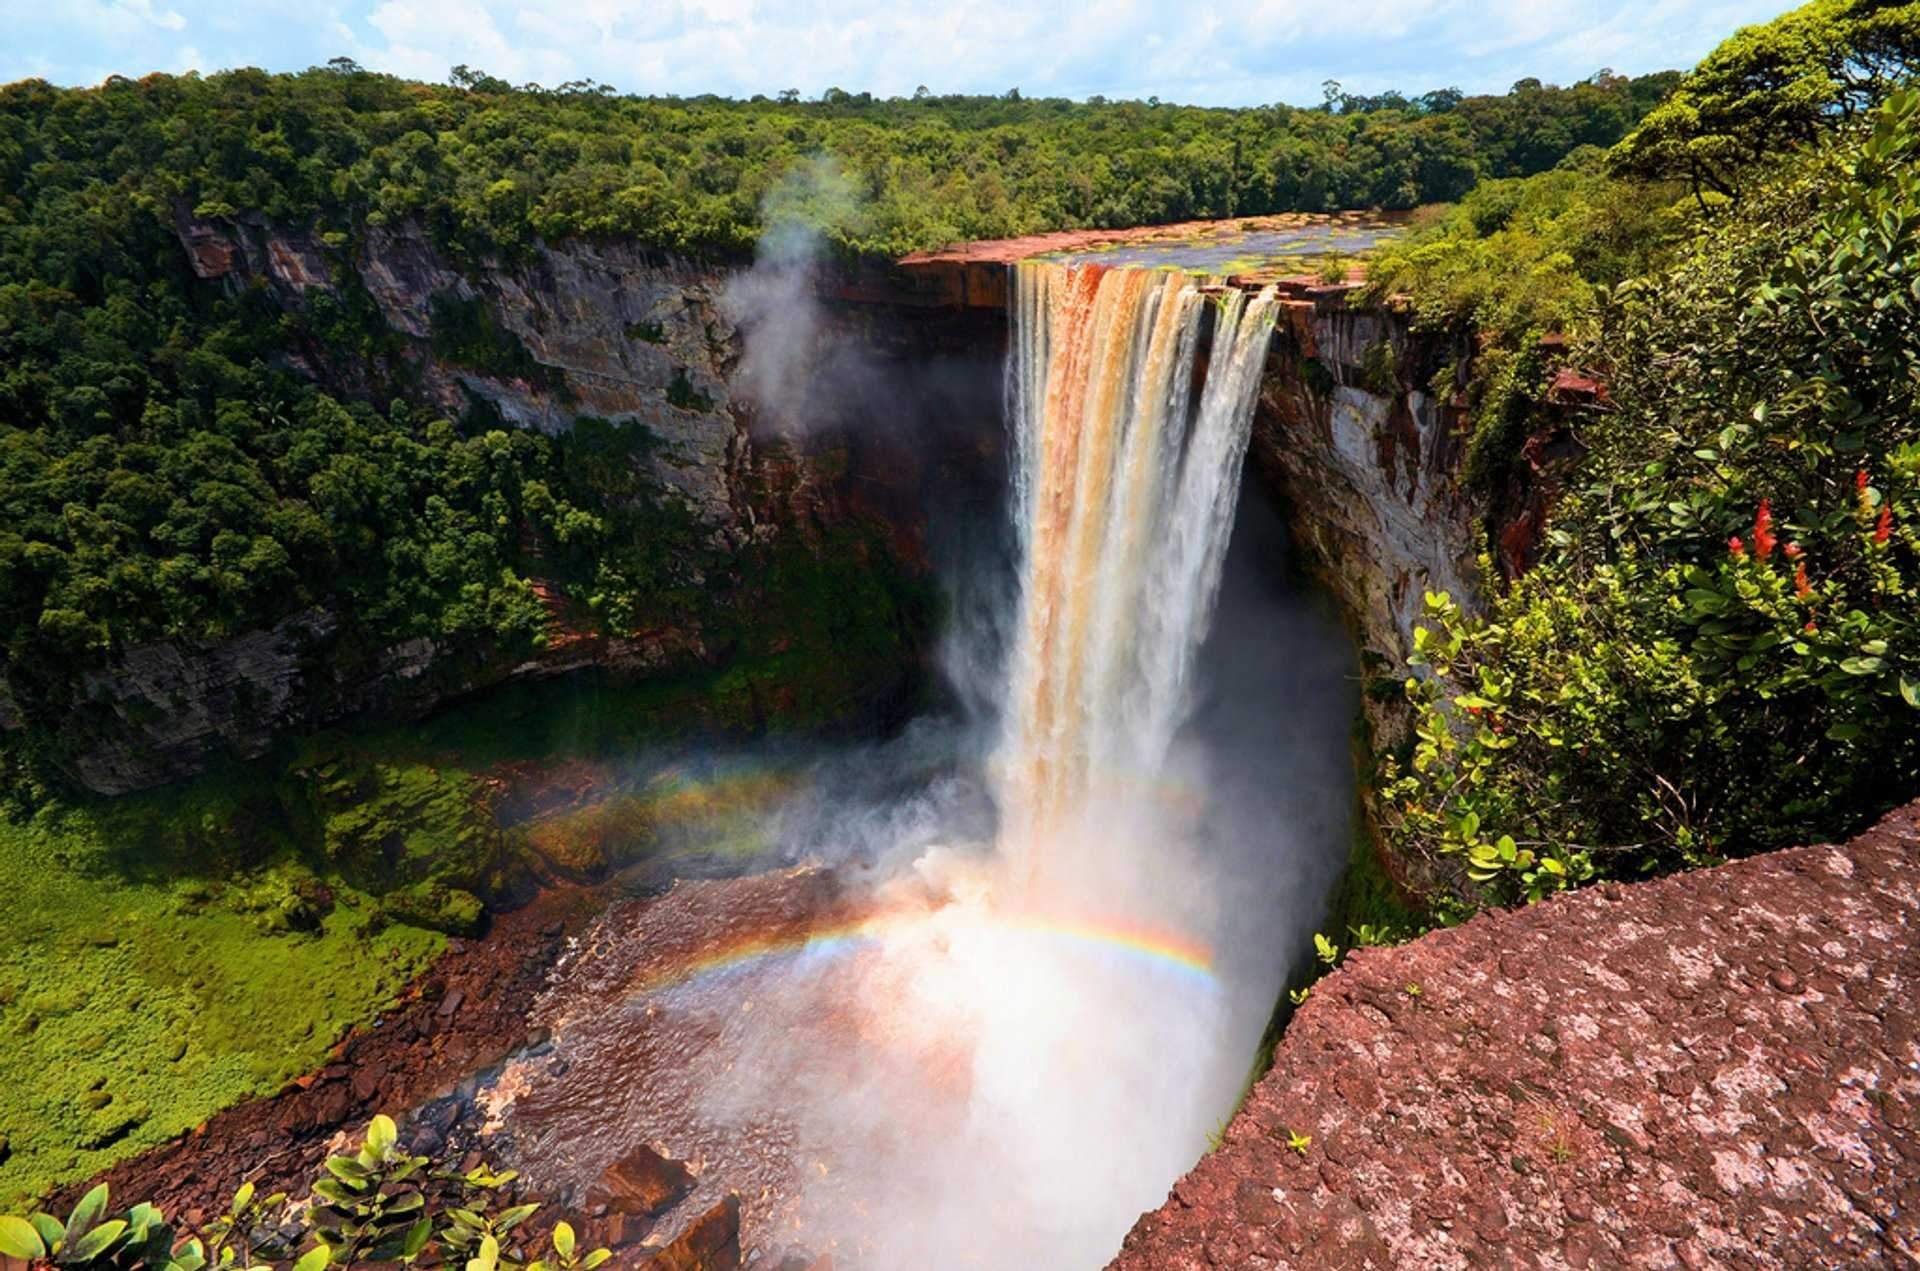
(1716, 1069)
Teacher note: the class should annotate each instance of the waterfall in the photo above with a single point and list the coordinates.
(1123, 498)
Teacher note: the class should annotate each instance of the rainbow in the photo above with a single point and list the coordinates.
(1156, 950)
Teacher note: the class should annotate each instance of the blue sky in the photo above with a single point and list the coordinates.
(1227, 52)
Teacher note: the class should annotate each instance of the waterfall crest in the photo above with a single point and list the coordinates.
(1124, 489)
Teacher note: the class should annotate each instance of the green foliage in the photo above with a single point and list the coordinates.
(132, 987)
(378, 1204)
(465, 332)
(487, 168)
(369, 1206)
(1772, 87)
(1722, 649)
(1515, 261)
(89, 1238)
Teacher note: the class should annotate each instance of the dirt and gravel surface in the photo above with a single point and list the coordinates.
(1718, 1069)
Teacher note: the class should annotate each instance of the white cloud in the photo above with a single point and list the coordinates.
(1210, 51)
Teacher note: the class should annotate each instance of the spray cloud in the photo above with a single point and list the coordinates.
(798, 372)
(1038, 982)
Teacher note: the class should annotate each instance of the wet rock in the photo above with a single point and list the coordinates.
(645, 1181)
(710, 1243)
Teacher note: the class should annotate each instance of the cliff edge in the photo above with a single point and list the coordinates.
(1720, 1068)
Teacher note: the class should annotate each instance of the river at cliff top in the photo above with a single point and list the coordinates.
(1254, 246)
(890, 1061)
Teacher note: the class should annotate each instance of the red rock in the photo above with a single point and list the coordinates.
(1571, 388)
(710, 1243)
(1659, 1103)
(644, 1181)
(366, 1081)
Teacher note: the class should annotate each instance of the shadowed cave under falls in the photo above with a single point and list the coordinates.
(1008, 970)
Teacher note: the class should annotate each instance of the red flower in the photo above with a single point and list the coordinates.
(1812, 627)
(1860, 479)
(1736, 548)
(1884, 527)
(1792, 550)
(1801, 586)
(1763, 530)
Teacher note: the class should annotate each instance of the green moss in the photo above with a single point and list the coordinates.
(422, 835)
(682, 393)
(132, 1007)
(464, 331)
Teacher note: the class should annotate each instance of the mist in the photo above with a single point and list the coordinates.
(1022, 955)
(1091, 1080)
(798, 372)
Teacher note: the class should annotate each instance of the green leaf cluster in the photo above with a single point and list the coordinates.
(1721, 648)
(377, 1205)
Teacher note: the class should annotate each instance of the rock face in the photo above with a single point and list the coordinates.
(609, 330)
(616, 331)
(1714, 1069)
(645, 1181)
(1349, 432)
(1367, 459)
(710, 1243)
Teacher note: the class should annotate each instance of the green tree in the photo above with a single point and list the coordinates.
(1774, 86)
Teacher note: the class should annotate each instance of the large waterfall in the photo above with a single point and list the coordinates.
(1009, 1017)
(1123, 496)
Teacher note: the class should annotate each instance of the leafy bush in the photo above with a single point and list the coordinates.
(1722, 649)
(379, 1204)
(1517, 260)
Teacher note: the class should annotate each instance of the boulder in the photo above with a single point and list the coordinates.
(710, 1243)
(646, 1181)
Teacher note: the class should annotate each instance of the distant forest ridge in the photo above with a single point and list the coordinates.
(489, 167)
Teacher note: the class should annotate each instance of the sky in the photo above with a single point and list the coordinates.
(1236, 52)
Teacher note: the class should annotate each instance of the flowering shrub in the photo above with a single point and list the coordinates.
(1721, 648)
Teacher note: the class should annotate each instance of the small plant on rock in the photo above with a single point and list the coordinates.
(379, 1204)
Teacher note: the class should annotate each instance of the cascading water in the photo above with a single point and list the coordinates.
(1123, 506)
(975, 1048)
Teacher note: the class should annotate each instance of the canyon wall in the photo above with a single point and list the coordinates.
(1349, 433)
(610, 330)
(1366, 457)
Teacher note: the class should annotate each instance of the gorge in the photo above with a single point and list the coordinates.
(958, 1045)
(826, 685)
